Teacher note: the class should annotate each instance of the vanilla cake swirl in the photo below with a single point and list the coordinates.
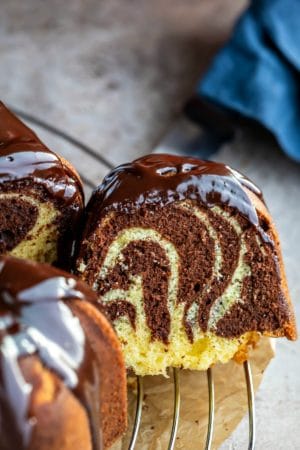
(186, 262)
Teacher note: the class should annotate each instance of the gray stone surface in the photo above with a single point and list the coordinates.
(278, 399)
(114, 74)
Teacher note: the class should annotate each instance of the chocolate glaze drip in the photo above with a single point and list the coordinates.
(162, 179)
(36, 318)
(23, 156)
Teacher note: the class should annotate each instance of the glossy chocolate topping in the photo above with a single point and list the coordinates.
(23, 156)
(36, 318)
(162, 179)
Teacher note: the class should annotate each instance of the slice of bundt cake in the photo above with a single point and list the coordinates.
(186, 261)
(62, 374)
(41, 196)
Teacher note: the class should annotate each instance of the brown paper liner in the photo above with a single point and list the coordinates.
(231, 404)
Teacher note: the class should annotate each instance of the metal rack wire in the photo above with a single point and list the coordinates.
(211, 410)
(176, 372)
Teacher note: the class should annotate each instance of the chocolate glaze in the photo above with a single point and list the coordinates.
(23, 155)
(36, 318)
(160, 179)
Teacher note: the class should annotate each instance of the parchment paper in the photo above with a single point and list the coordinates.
(231, 404)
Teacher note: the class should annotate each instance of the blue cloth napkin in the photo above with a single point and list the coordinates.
(257, 73)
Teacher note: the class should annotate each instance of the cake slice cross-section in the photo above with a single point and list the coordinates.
(41, 196)
(186, 262)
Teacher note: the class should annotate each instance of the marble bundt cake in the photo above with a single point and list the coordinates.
(41, 196)
(186, 262)
(62, 374)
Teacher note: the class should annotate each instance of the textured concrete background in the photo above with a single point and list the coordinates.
(114, 74)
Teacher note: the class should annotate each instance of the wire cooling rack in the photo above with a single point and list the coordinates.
(99, 159)
(211, 409)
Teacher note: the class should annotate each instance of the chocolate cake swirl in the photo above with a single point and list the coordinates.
(43, 317)
(34, 177)
(183, 254)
